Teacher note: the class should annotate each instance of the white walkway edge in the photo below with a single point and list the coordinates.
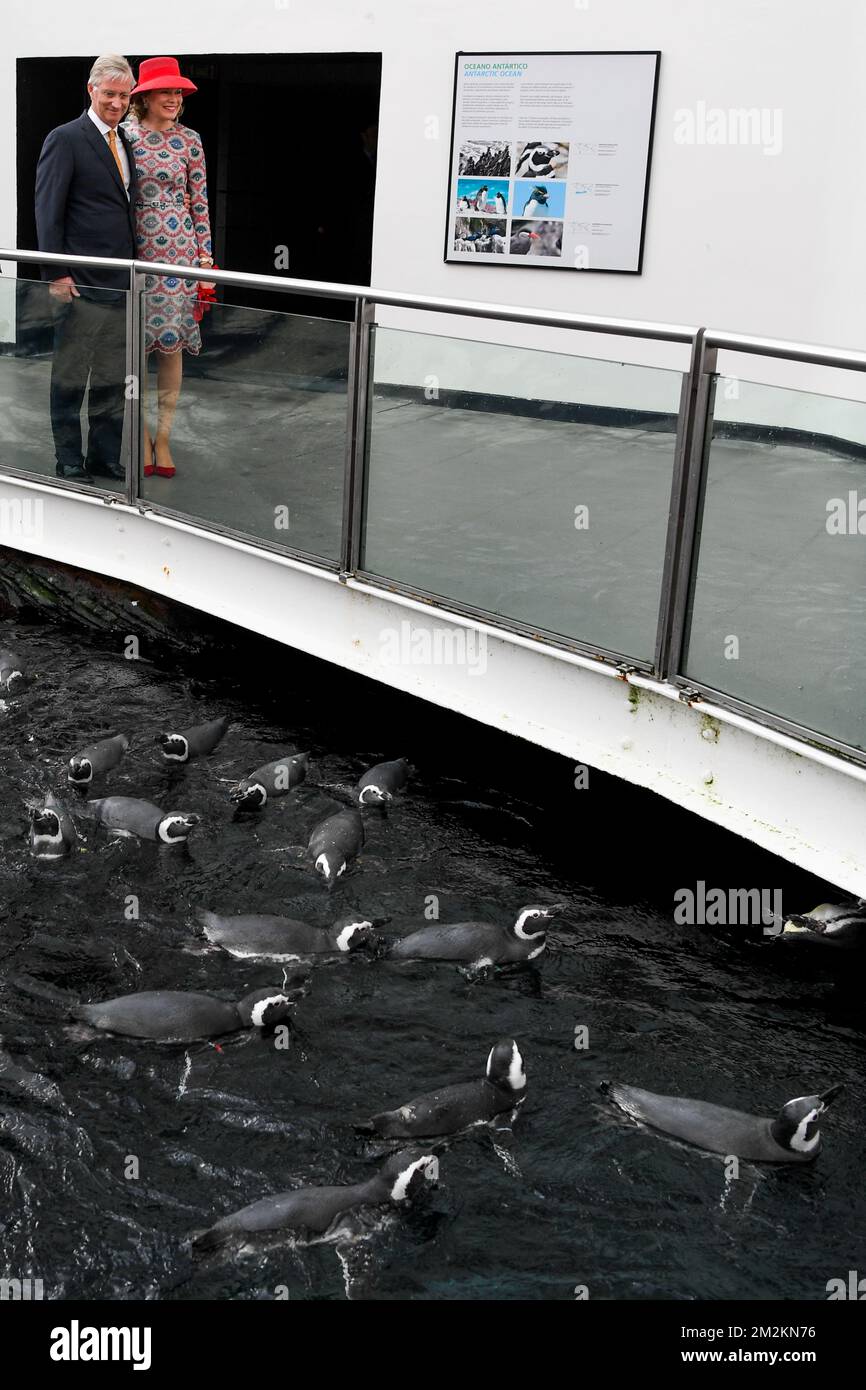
(796, 800)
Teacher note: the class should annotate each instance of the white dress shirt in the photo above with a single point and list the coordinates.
(121, 149)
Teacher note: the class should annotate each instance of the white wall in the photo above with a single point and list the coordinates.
(770, 244)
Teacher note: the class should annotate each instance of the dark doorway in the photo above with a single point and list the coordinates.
(287, 167)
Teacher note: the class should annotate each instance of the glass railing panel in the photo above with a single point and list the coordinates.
(63, 382)
(532, 485)
(250, 411)
(778, 611)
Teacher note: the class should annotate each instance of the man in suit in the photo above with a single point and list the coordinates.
(85, 190)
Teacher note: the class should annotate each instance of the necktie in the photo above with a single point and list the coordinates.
(112, 144)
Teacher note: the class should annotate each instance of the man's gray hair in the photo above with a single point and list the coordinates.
(110, 65)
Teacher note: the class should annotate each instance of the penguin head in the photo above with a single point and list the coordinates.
(249, 796)
(528, 926)
(796, 1127)
(174, 828)
(841, 923)
(45, 822)
(47, 840)
(353, 932)
(505, 1066)
(409, 1173)
(330, 866)
(174, 747)
(80, 771)
(264, 1008)
(371, 795)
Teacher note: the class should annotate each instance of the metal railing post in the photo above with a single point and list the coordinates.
(693, 441)
(354, 479)
(134, 383)
(682, 450)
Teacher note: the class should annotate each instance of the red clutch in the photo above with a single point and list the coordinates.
(206, 297)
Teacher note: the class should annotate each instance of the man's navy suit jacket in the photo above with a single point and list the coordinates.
(81, 203)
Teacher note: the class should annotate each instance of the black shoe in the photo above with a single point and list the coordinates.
(71, 470)
(106, 470)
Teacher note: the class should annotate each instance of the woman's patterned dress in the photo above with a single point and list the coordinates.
(170, 165)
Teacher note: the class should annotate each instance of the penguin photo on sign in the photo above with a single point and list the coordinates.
(521, 241)
(536, 203)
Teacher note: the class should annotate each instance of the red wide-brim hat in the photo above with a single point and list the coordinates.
(156, 74)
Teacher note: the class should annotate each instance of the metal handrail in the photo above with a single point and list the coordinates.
(792, 352)
(814, 353)
(323, 289)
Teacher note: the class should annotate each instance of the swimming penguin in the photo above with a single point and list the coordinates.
(521, 242)
(316, 1208)
(836, 924)
(11, 671)
(335, 843)
(377, 787)
(96, 758)
(194, 742)
(483, 943)
(792, 1137)
(282, 938)
(274, 779)
(165, 1015)
(536, 203)
(456, 1107)
(52, 831)
(131, 816)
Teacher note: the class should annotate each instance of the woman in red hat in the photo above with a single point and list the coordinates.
(172, 224)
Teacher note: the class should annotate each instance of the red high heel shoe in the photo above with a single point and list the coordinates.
(165, 468)
(148, 468)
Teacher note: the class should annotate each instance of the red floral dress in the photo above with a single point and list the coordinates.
(170, 165)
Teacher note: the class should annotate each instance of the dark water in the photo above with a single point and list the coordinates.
(579, 1196)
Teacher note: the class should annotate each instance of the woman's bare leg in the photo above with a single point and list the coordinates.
(169, 375)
